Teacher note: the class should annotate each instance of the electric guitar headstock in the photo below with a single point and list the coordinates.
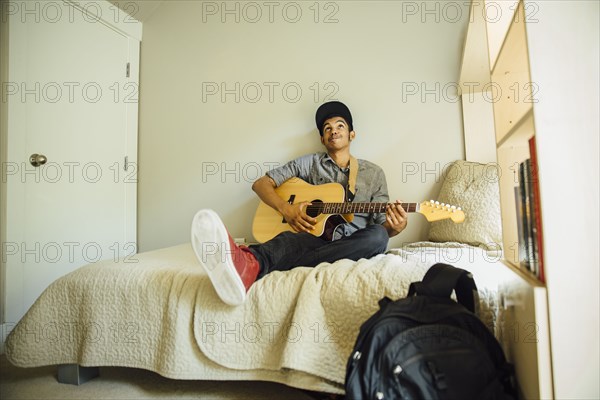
(436, 211)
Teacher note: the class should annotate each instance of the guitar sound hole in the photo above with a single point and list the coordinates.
(314, 210)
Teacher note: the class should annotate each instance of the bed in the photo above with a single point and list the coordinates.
(158, 310)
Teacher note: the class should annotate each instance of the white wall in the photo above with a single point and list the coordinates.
(374, 58)
(564, 50)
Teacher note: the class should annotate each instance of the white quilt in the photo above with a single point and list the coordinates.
(162, 314)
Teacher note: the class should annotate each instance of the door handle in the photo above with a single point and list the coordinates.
(37, 159)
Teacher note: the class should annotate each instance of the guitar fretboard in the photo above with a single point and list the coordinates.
(351, 208)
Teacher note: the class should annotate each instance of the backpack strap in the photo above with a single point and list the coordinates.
(441, 279)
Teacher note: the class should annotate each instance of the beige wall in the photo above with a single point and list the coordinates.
(201, 149)
(3, 152)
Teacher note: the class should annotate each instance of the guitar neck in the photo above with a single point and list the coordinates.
(351, 208)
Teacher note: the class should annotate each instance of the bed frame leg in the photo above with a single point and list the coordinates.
(74, 374)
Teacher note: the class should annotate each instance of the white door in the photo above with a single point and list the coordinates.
(69, 100)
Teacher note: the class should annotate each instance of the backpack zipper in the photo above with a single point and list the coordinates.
(356, 356)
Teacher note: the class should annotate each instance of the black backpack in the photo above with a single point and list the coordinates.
(427, 346)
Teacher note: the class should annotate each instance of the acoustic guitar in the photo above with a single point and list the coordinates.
(328, 206)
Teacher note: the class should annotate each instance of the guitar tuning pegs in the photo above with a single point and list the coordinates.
(453, 207)
(459, 208)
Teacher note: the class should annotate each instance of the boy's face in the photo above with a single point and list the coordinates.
(336, 135)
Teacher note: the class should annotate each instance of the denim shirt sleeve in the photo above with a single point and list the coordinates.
(296, 168)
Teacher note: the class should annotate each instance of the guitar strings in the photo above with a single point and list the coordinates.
(352, 207)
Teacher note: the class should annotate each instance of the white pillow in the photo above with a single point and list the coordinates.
(475, 188)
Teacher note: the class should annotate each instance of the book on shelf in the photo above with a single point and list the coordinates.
(529, 224)
(521, 248)
(526, 221)
(532, 249)
(537, 208)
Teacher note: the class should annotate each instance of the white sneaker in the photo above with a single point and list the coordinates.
(215, 250)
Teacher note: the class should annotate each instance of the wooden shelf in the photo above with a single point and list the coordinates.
(499, 16)
(525, 333)
(512, 86)
(520, 133)
(475, 65)
(514, 127)
(509, 158)
(528, 277)
(508, 118)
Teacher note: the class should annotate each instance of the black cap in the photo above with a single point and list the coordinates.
(330, 110)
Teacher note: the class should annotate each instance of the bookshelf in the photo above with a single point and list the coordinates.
(496, 58)
(514, 128)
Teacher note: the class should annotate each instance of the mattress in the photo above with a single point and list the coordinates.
(158, 311)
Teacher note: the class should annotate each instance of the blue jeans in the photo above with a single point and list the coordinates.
(288, 250)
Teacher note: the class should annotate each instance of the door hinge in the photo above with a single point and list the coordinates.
(126, 163)
(128, 68)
